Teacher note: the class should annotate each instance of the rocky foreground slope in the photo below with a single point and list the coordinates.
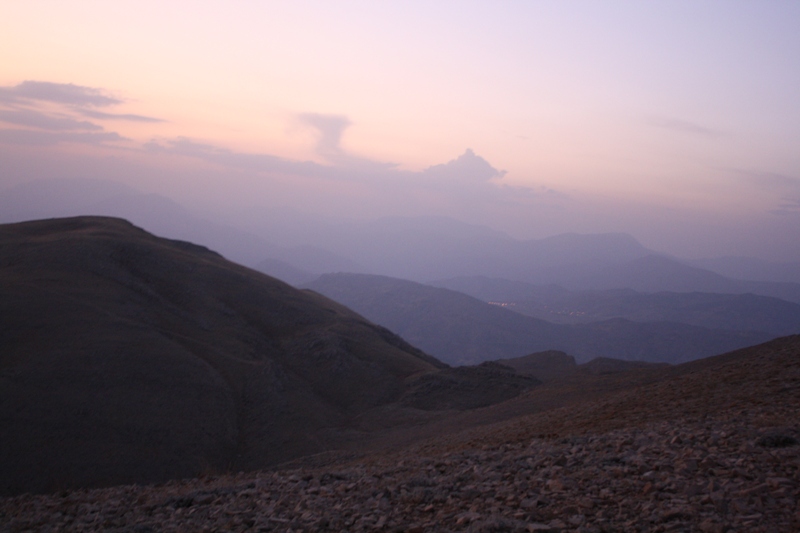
(708, 446)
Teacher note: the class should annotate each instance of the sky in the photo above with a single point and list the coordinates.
(675, 121)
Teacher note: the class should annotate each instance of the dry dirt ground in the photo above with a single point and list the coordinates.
(710, 446)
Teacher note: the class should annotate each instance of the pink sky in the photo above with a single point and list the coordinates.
(677, 122)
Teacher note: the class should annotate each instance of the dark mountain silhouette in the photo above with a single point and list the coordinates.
(460, 329)
(130, 358)
(740, 312)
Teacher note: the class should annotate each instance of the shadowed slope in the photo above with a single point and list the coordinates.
(129, 358)
(707, 446)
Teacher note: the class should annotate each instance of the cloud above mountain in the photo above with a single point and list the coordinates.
(332, 178)
(468, 167)
(468, 177)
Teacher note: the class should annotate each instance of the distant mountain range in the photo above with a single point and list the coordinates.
(298, 247)
(460, 329)
(739, 312)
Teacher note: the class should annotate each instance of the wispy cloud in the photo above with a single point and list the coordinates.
(46, 114)
(100, 115)
(683, 126)
(60, 93)
(36, 119)
(50, 138)
(53, 113)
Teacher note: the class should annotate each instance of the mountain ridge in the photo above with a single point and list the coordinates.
(712, 310)
(460, 329)
(416, 248)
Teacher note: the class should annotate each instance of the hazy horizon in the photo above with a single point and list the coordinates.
(674, 122)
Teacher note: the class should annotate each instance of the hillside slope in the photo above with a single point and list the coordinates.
(708, 446)
(129, 358)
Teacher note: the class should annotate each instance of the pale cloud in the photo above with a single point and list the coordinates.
(47, 114)
(468, 167)
(330, 129)
(51, 138)
(60, 93)
(100, 115)
(468, 177)
(36, 119)
(53, 113)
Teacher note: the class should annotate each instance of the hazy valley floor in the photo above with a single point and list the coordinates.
(712, 446)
